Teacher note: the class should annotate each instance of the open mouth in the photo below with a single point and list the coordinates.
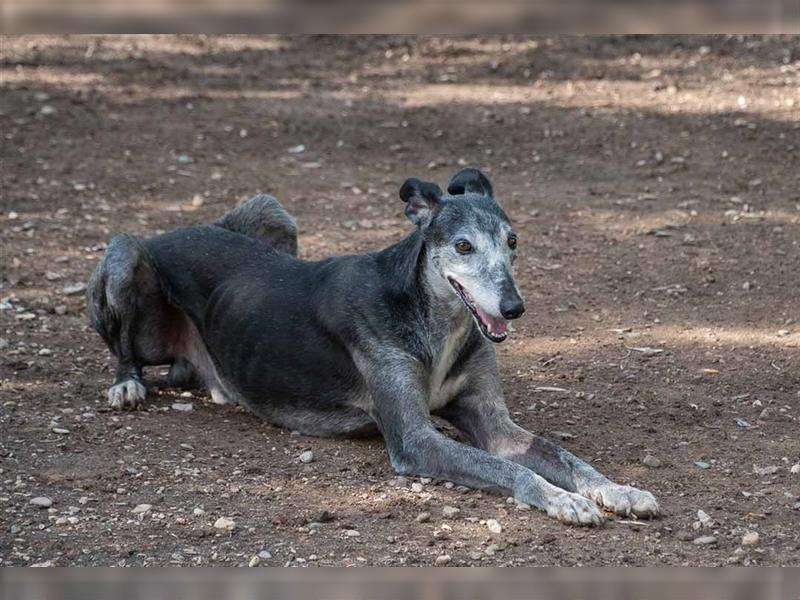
(493, 328)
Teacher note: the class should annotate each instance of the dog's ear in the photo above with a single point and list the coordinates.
(421, 198)
(472, 181)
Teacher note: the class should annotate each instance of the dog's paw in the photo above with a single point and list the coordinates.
(574, 509)
(126, 394)
(626, 500)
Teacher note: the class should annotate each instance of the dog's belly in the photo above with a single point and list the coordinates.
(274, 359)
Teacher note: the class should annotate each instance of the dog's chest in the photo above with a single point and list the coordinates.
(441, 388)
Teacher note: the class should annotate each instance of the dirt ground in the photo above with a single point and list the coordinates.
(655, 184)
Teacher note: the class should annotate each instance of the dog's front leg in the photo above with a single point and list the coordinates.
(417, 448)
(483, 417)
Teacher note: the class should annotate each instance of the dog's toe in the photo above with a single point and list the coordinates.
(626, 501)
(126, 394)
(574, 509)
(645, 504)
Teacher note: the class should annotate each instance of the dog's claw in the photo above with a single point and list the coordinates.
(626, 501)
(126, 394)
(575, 510)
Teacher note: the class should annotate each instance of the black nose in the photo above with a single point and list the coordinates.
(512, 308)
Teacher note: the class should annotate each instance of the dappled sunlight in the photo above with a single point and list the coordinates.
(727, 337)
(602, 97)
(98, 47)
(57, 77)
(652, 340)
(622, 224)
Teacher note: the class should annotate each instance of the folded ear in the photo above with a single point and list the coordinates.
(472, 181)
(421, 198)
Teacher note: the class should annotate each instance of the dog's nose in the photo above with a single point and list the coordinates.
(512, 308)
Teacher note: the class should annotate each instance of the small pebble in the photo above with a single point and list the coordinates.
(183, 406)
(225, 524)
(416, 487)
(768, 470)
(751, 538)
(45, 564)
(494, 526)
(264, 555)
(352, 533)
(307, 456)
(254, 562)
(74, 289)
(705, 540)
(701, 464)
(423, 517)
(651, 461)
(141, 508)
(705, 520)
(42, 502)
(795, 469)
(450, 512)
(442, 560)
(61, 310)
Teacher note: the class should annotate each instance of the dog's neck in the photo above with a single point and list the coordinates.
(410, 270)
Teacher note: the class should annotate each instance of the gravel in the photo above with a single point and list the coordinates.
(651, 461)
(74, 289)
(751, 538)
(705, 540)
(450, 512)
(494, 526)
(225, 524)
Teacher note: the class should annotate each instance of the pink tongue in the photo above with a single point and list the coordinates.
(494, 324)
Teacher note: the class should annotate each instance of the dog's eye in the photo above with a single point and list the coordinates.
(463, 246)
(512, 242)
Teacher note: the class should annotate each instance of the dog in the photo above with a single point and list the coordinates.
(351, 345)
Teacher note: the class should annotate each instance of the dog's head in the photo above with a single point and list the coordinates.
(471, 245)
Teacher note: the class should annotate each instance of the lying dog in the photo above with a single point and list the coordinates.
(351, 344)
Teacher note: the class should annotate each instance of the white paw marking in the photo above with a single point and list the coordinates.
(219, 397)
(626, 500)
(127, 394)
(574, 509)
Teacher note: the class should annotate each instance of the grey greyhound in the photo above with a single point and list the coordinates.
(352, 344)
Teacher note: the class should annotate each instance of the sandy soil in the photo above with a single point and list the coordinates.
(655, 185)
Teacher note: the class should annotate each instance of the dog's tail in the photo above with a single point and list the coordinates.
(264, 218)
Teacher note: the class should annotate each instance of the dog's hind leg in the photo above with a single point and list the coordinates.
(126, 308)
(262, 217)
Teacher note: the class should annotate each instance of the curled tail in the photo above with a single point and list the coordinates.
(264, 218)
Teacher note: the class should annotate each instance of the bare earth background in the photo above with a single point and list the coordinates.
(655, 183)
